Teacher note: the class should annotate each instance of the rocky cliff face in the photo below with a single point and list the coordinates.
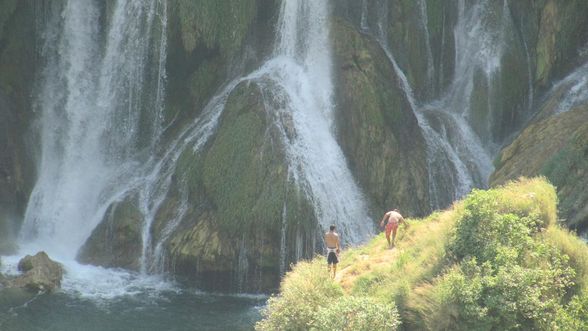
(376, 126)
(209, 42)
(17, 70)
(554, 142)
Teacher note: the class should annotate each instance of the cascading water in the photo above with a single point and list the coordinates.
(573, 90)
(457, 159)
(98, 117)
(300, 82)
(95, 101)
(297, 84)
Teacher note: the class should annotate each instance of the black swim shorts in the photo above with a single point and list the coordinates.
(332, 258)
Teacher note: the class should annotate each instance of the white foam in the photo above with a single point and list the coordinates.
(97, 283)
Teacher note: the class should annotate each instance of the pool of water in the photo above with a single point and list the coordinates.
(94, 298)
(168, 310)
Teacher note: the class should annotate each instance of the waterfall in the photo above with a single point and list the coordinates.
(457, 158)
(299, 84)
(98, 93)
(100, 99)
(296, 84)
(91, 100)
(573, 89)
(424, 18)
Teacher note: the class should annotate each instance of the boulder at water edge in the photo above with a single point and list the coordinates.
(40, 273)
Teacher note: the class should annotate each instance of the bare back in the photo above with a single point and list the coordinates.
(394, 217)
(332, 239)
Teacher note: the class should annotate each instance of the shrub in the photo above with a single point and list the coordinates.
(574, 316)
(507, 276)
(356, 314)
(481, 229)
(303, 291)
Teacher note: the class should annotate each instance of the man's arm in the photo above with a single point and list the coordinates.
(338, 244)
(384, 218)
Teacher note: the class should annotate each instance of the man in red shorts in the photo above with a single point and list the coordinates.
(392, 220)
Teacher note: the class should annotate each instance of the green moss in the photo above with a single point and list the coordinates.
(236, 166)
(222, 24)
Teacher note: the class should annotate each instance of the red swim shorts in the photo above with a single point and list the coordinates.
(391, 226)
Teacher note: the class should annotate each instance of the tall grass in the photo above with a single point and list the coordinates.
(515, 269)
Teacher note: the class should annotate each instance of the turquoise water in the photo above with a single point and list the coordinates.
(171, 310)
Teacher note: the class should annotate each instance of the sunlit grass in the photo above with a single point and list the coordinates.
(412, 275)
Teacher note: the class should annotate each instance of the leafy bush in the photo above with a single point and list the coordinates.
(574, 316)
(310, 300)
(303, 291)
(507, 277)
(356, 314)
(482, 229)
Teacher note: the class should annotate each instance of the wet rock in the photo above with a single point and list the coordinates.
(117, 240)
(40, 273)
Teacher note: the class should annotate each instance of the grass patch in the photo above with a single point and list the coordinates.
(495, 261)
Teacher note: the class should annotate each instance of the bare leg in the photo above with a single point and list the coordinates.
(393, 237)
(334, 270)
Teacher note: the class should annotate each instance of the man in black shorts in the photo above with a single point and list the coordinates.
(333, 248)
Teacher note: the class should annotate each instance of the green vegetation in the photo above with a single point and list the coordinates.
(311, 300)
(495, 261)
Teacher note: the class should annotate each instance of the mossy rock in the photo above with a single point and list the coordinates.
(377, 129)
(425, 52)
(117, 240)
(241, 202)
(410, 51)
(556, 147)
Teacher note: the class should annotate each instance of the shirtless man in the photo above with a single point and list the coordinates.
(392, 219)
(333, 248)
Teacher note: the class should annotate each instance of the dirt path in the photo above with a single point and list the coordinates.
(363, 264)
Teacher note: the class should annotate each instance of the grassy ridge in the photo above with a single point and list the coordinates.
(495, 261)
